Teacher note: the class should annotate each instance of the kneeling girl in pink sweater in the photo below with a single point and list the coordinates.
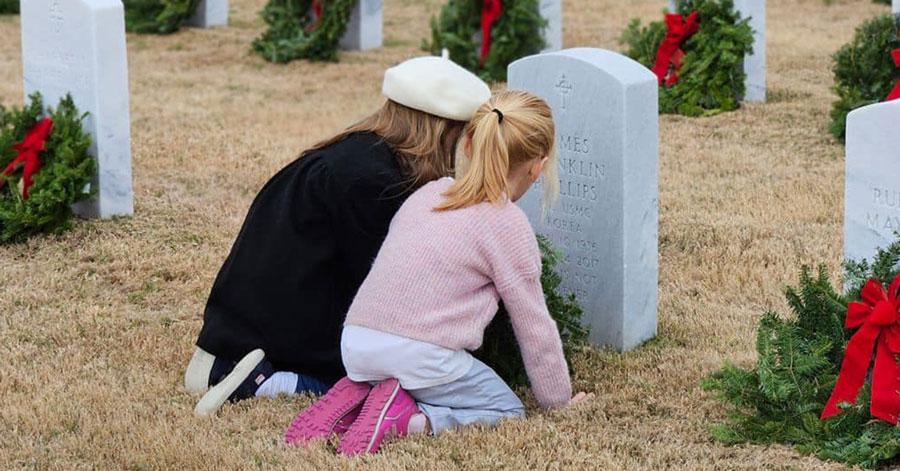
(455, 249)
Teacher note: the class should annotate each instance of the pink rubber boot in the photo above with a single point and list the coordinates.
(385, 413)
(332, 414)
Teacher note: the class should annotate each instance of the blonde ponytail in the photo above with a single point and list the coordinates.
(511, 129)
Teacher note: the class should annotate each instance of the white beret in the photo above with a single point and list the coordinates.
(436, 86)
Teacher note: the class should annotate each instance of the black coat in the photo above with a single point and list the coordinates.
(306, 246)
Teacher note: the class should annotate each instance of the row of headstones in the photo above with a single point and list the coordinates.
(606, 111)
(78, 47)
(605, 106)
(364, 31)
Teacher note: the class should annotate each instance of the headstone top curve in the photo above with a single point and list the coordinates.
(625, 69)
(876, 108)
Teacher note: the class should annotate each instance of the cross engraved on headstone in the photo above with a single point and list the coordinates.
(563, 87)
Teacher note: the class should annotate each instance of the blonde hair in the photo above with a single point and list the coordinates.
(527, 132)
(423, 143)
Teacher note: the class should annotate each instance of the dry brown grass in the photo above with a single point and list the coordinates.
(96, 325)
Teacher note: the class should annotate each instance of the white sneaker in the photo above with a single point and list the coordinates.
(241, 383)
(196, 377)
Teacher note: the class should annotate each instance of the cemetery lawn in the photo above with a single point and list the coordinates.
(97, 325)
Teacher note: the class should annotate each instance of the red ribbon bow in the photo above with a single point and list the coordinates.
(895, 94)
(29, 153)
(877, 316)
(317, 11)
(669, 52)
(490, 12)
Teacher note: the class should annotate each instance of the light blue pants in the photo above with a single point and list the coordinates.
(480, 397)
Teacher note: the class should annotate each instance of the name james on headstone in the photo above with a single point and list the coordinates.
(78, 47)
(605, 108)
(872, 179)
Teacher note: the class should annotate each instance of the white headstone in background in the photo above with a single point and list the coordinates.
(364, 31)
(895, 6)
(551, 10)
(755, 64)
(872, 179)
(606, 112)
(672, 6)
(78, 47)
(210, 13)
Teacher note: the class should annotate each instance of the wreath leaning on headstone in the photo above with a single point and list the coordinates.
(157, 16)
(9, 7)
(45, 168)
(866, 70)
(698, 55)
(500, 350)
(789, 395)
(485, 36)
(303, 29)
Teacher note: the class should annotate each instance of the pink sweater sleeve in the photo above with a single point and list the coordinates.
(539, 340)
(517, 276)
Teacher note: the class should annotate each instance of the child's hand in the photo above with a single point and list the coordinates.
(580, 397)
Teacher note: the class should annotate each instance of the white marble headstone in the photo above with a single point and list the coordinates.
(364, 31)
(606, 112)
(78, 47)
(551, 10)
(755, 64)
(895, 6)
(210, 13)
(872, 179)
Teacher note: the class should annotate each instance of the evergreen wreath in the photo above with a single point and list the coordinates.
(799, 357)
(864, 69)
(9, 7)
(295, 33)
(66, 169)
(500, 350)
(515, 34)
(157, 16)
(712, 72)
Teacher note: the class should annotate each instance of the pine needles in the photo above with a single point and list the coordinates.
(799, 357)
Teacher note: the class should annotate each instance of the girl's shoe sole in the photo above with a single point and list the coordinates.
(314, 423)
(361, 436)
(219, 394)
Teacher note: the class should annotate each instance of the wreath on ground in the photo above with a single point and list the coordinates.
(44, 168)
(303, 29)
(866, 69)
(9, 7)
(500, 350)
(700, 63)
(485, 36)
(801, 357)
(157, 16)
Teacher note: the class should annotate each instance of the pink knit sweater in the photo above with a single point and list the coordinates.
(439, 275)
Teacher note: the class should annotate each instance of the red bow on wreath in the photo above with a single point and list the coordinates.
(876, 317)
(317, 11)
(895, 94)
(669, 52)
(29, 153)
(490, 12)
